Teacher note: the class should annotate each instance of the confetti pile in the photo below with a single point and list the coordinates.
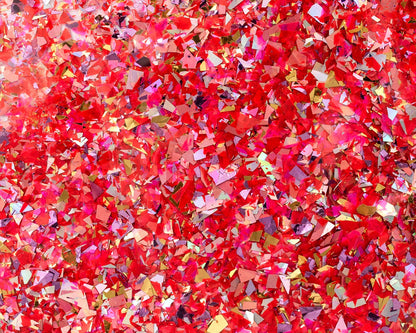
(207, 166)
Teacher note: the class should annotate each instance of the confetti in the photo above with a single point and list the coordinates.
(218, 325)
(195, 166)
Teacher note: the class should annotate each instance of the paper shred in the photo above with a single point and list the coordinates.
(269, 225)
(148, 288)
(217, 325)
(391, 113)
(318, 72)
(133, 78)
(144, 62)
(341, 327)
(316, 11)
(285, 282)
(214, 59)
(103, 214)
(272, 281)
(386, 209)
(137, 234)
(246, 275)
(298, 173)
(295, 274)
(395, 282)
(26, 275)
(265, 165)
(202, 275)
(366, 210)
(219, 175)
